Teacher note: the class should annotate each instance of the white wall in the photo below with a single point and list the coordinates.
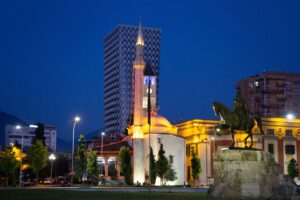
(173, 145)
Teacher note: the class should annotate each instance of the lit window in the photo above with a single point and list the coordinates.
(256, 83)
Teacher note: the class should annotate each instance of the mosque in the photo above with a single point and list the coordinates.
(149, 128)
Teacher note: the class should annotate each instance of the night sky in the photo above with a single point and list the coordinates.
(51, 54)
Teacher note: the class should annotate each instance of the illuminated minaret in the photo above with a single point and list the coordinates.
(138, 136)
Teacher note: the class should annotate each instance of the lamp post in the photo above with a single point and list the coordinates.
(76, 119)
(102, 134)
(51, 158)
(18, 127)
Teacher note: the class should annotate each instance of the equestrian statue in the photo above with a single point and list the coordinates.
(237, 119)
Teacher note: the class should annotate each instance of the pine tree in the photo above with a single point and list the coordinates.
(293, 168)
(152, 167)
(124, 159)
(80, 159)
(161, 164)
(196, 167)
(92, 167)
(39, 134)
(171, 174)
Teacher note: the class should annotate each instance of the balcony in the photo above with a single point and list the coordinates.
(280, 84)
(272, 91)
(272, 105)
(281, 98)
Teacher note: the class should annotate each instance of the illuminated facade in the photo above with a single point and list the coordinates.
(119, 53)
(272, 94)
(281, 138)
(13, 135)
(160, 131)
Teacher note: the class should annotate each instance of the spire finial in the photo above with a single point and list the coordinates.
(140, 39)
(140, 21)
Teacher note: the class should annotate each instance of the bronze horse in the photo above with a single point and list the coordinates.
(237, 119)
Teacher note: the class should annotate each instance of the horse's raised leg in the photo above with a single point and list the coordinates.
(233, 141)
(245, 141)
(251, 140)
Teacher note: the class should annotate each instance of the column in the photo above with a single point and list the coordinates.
(280, 154)
(106, 168)
(212, 150)
(298, 156)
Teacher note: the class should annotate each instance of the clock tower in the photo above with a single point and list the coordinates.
(150, 87)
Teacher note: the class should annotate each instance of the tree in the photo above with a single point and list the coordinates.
(80, 158)
(292, 168)
(161, 164)
(92, 167)
(171, 174)
(9, 165)
(61, 167)
(39, 134)
(37, 157)
(196, 166)
(152, 167)
(124, 159)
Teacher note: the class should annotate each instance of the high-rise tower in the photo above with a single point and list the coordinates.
(119, 53)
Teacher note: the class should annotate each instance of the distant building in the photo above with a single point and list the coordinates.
(272, 94)
(119, 54)
(13, 135)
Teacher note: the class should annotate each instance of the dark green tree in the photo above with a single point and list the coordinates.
(112, 170)
(171, 174)
(39, 134)
(92, 167)
(152, 167)
(80, 158)
(292, 168)
(196, 167)
(161, 164)
(61, 166)
(37, 157)
(9, 165)
(124, 159)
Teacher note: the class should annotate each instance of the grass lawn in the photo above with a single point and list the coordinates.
(44, 194)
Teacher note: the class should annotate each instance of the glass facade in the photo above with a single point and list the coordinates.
(119, 54)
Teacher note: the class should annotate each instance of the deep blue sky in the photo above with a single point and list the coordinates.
(51, 53)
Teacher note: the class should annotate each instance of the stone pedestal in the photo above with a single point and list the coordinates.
(248, 174)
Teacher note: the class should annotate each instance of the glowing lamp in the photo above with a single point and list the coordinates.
(290, 116)
(52, 157)
(77, 119)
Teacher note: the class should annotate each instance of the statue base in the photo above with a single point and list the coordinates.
(249, 174)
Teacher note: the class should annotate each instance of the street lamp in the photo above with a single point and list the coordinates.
(51, 158)
(76, 119)
(102, 134)
(18, 127)
(290, 116)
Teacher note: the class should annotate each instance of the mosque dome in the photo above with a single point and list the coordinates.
(159, 124)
